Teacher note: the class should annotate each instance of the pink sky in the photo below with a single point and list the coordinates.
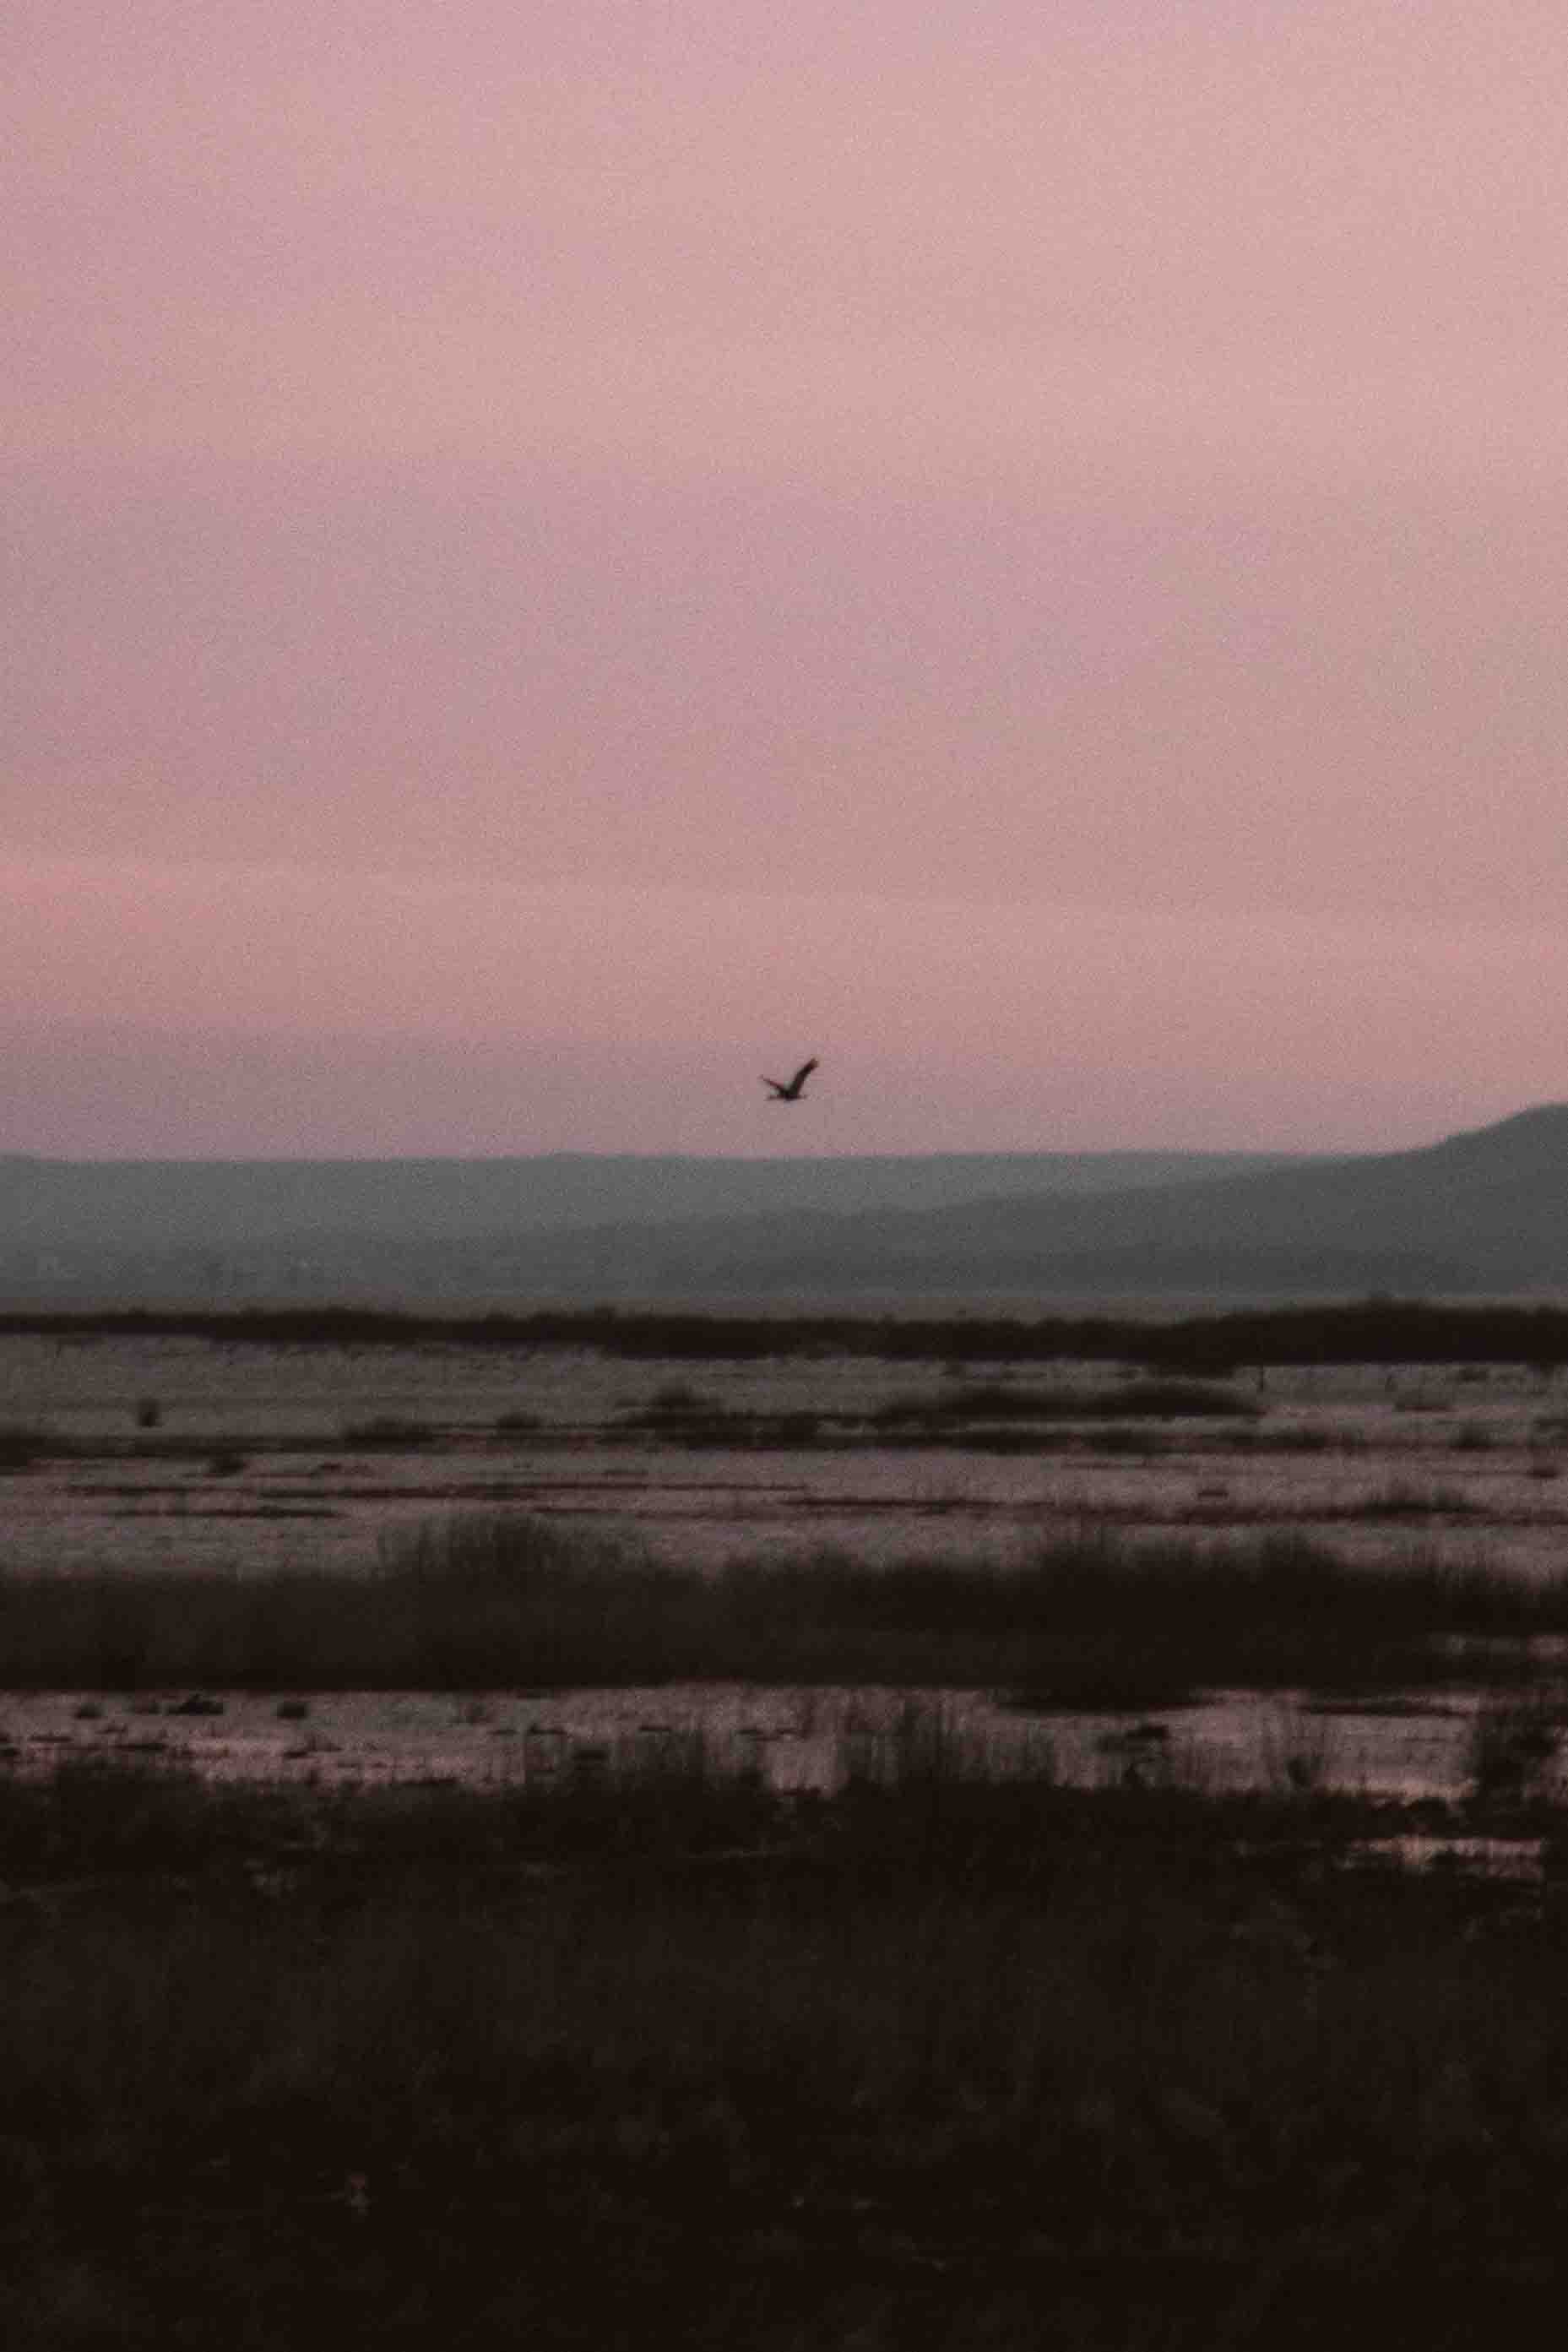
(561, 556)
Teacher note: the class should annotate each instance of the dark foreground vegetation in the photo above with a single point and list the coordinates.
(1374, 1330)
(506, 1601)
(956, 2058)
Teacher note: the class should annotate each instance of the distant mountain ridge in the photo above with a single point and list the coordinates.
(1481, 1211)
(135, 1204)
(1486, 1210)
(207, 1230)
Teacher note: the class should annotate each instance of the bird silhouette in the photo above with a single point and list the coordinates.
(797, 1086)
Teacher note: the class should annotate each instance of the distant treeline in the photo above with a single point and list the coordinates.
(1375, 1330)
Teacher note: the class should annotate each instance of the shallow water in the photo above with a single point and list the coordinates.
(250, 1469)
(796, 1738)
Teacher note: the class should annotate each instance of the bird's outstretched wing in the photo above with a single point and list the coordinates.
(790, 1091)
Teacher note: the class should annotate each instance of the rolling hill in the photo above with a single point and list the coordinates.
(1485, 1210)
(1481, 1211)
(211, 1228)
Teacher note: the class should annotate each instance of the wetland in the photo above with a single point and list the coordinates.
(837, 1847)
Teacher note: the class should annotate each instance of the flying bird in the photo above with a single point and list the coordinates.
(797, 1086)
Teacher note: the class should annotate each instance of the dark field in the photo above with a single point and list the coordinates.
(958, 2057)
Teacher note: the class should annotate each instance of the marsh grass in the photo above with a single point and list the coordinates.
(1304, 1437)
(1118, 1439)
(508, 1600)
(1373, 1330)
(958, 2045)
(23, 1443)
(1000, 1400)
(1513, 1749)
(391, 1431)
(679, 1414)
(1401, 1498)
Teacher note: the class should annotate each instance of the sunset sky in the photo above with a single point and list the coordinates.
(564, 553)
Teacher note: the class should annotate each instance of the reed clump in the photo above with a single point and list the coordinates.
(389, 1432)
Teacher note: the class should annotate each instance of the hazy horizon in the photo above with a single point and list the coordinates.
(562, 559)
(108, 1094)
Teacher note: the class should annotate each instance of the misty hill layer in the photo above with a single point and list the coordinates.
(194, 1204)
(1485, 1210)
(137, 1230)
